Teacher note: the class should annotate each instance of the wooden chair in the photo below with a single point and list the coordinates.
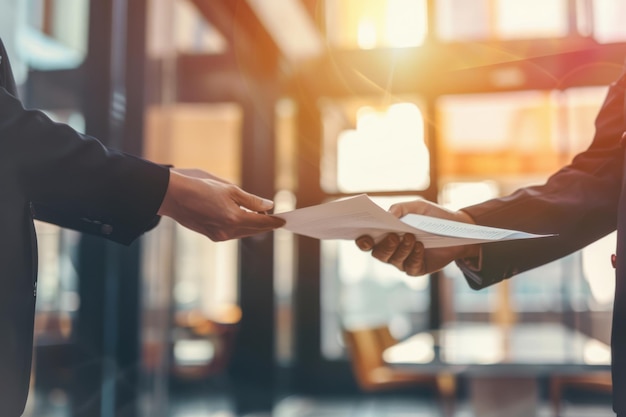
(600, 381)
(366, 346)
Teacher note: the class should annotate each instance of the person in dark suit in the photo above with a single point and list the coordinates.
(580, 203)
(52, 173)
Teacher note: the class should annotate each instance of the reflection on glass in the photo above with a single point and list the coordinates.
(368, 24)
(386, 150)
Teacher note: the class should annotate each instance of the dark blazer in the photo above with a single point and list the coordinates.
(581, 203)
(50, 172)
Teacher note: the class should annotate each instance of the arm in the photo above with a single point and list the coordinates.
(74, 181)
(579, 203)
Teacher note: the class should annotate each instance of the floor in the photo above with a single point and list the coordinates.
(54, 404)
(297, 406)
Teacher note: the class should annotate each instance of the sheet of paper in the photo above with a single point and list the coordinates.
(358, 216)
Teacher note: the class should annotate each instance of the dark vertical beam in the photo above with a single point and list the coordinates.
(307, 294)
(253, 363)
(107, 353)
(128, 350)
(89, 354)
(435, 311)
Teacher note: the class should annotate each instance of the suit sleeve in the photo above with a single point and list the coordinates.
(579, 203)
(73, 180)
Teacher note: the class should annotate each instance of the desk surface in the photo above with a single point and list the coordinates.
(482, 348)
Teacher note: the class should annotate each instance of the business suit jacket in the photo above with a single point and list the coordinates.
(582, 202)
(50, 172)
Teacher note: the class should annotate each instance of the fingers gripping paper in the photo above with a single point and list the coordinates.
(357, 216)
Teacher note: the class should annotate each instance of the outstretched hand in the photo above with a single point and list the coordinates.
(214, 207)
(409, 255)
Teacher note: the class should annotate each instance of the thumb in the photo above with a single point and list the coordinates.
(251, 201)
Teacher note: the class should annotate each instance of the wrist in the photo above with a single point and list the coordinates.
(169, 203)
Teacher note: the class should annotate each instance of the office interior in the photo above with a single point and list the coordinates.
(304, 102)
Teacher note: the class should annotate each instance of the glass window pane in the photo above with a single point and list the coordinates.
(463, 20)
(492, 135)
(358, 290)
(55, 36)
(531, 19)
(608, 20)
(367, 24)
(194, 34)
(581, 108)
(177, 135)
(374, 148)
(205, 274)
(598, 272)
(464, 300)
(542, 289)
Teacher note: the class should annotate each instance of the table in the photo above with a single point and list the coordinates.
(502, 362)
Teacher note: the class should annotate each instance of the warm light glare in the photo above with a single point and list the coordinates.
(194, 352)
(386, 151)
(417, 349)
(369, 24)
(407, 23)
(596, 352)
(456, 195)
(367, 35)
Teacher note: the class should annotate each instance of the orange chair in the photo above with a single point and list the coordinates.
(366, 346)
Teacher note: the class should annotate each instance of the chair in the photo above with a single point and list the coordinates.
(600, 381)
(366, 346)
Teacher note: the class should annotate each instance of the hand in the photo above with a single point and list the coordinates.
(409, 255)
(215, 208)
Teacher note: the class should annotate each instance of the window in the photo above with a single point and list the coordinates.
(205, 284)
(608, 25)
(368, 24)
(370, 147)
(358, 290)
(374, 148)
(492, 144)
(463, 20)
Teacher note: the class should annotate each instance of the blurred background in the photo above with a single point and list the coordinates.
(303, 102)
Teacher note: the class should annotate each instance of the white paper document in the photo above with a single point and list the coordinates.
(357, 216)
